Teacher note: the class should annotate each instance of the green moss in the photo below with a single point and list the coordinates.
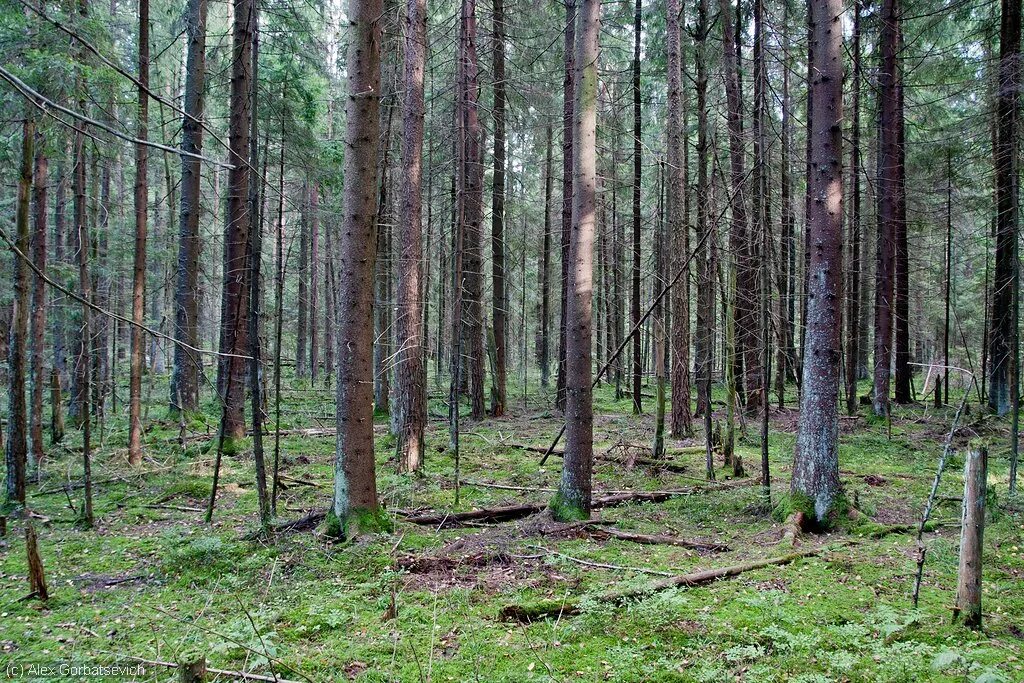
(233, 446)
(357, 522)
(565, 510)
(794, 502)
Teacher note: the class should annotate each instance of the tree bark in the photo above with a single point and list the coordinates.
(410, 373)
(40, 380)
(302, 331)
(972, 535)
(853, 288)
(705, 335)
(1002, 338)
(231, 370)
(16, 446)
(498, 296)
(355, 505)
(678, 229)
(138, 352)
(886, 191)
(816, 461)
(634, 301)
(184, 387)
(573, 498)
(568, 91)
(544, 271)
(314, 280)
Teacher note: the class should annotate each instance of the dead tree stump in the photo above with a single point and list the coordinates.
(36, 577)
(968, 591)
(193, 671)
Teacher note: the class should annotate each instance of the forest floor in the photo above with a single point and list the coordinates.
(153, 582)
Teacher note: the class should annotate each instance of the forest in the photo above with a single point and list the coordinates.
(511, 340)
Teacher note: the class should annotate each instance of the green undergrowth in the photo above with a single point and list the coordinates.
(152, 581)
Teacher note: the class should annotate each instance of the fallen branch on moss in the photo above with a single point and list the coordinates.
(657, 539)
(554, 608)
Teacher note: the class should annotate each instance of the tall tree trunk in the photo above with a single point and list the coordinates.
(786, 357)
(410, 374)
(853, 293)
(573, 498)
(382, 277)
(677, 225)
(472, 190)
(314, 279)
(886, 192)
(40, 379)
(302, 331)
(355, 508)
(634, 302)
(184, 387)
(761, 241)
(59, 302)
(568, 91)
(705, 336)
(231, 370)
(745, 356)
(1002, 338)
(816, 460)
(544, 271)
(83, 371)
(139, 267)
(498, 296)
(16, 446)
(901, 297)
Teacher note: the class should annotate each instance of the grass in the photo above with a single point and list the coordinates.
(154, 582)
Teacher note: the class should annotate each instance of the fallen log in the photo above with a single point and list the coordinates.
(555, 608)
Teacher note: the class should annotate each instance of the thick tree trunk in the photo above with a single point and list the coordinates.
(139, 268)
(16, 445)
(184, 388)
(886, 192)
(816, 461)
(678, 228)
(568, 92)
(40, 380)
(634, 301)
(231, 370)
(1002, 338)
(573, 498)
(901, 297)
(410, 373)
(786, 356)
(355, 508)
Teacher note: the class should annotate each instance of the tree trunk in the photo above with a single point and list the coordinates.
(886, 192)
(16, 446)
(139, 268)
(901, 296)
(184, 388)
(573, 498)
(972, 535)
(705, 335)
(634, 301)
(498, 297)
(38, 321)
(816, 461)
(231, 370)
(1002, 338)
(355, 508)
(314, 279)
(853, 289)
(568, 92)
(410, 374)
(678, 228)
(544, 271)
(302, 331)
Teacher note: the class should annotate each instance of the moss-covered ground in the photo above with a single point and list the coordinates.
(152, 581)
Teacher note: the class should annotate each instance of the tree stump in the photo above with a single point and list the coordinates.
(193, 671)
(968, 591)
(36, 577)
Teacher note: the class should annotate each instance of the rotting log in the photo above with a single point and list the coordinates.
(657, 539)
